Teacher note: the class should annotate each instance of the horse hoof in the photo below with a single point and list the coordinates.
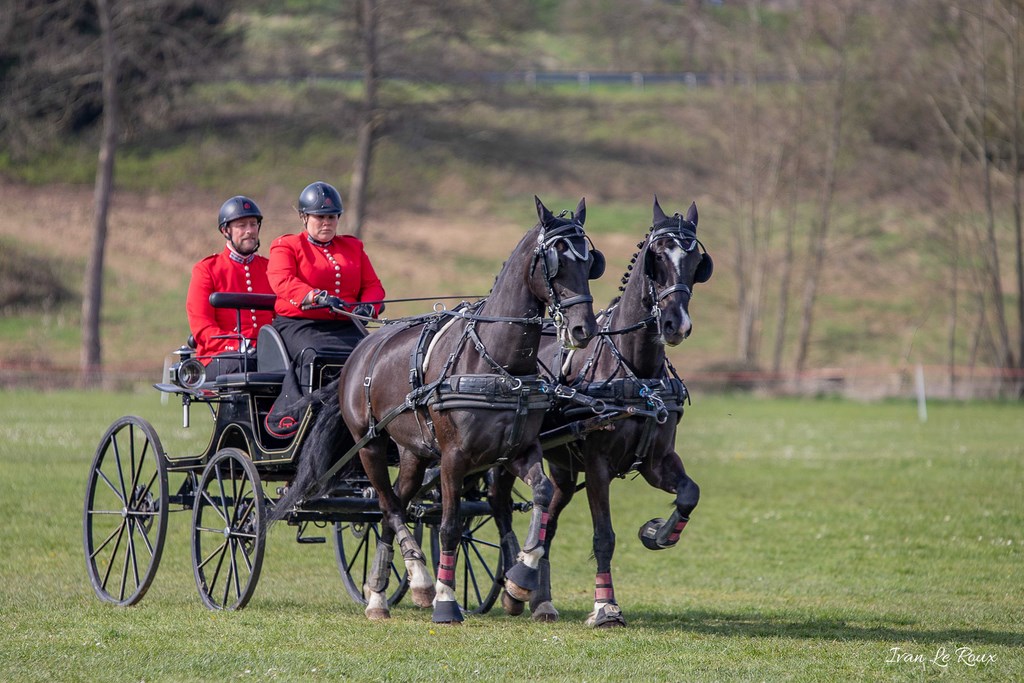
(512, 607)
(648, 534)
(521, 581)
(423, 597)
(377, 614)
(517, 592)
(545, 612)
(609, 616)
(447, 612)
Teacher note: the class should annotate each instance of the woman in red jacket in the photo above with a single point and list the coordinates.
(317, 270)
(220, 344)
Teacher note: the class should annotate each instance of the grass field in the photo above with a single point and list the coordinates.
(832, 538)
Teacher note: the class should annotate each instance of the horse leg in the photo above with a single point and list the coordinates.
(564, 481)
(499, 495)
(374, 459)
(446, 606)
(606, 612)
(523, 577)
(669, 475)
(377, 582)
(410, 479)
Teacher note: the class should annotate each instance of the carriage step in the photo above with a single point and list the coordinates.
(299, 538)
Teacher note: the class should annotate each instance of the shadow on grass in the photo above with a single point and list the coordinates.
(774, 625)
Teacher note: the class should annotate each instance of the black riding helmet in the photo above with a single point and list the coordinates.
(238, 207)
(320, 199)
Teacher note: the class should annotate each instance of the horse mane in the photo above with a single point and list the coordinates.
(632, 263)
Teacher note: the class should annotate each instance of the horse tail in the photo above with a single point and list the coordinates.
(316, 453)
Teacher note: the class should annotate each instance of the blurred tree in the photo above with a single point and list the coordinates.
(66, 65)
(426, 45)
(979, 107)
(51, 62)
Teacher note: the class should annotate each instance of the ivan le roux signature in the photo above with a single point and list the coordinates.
(942, 658)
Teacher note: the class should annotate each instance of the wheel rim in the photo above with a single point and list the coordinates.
(478, 567)
(125, 516)
(228, 534)
(354, 549)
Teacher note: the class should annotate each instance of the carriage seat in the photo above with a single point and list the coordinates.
(271, 358)
(272, 362)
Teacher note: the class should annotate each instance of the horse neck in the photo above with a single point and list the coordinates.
(639, 348)
(512, 345)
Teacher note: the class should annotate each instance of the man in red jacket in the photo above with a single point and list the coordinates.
(220, 344)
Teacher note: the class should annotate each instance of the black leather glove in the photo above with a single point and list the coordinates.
(322, 298)
(364, 310)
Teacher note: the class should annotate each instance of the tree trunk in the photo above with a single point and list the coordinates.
(92, 298)
(1018, 219)
(369, 118)
(819, 238)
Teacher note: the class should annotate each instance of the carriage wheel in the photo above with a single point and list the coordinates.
(228, 530)
(478, 568)
(125, 518)
(354, 549)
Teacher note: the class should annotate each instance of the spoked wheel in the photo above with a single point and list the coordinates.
(354, 548)
(125, 518)
(228, 530)
(478, 567)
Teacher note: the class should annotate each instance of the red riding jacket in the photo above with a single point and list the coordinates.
(225, 272)
(339, 267)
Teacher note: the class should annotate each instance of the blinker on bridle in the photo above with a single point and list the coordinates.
(576, 242)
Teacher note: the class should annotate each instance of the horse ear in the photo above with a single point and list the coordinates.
(543, 214)
(691, 214)
(581, 211)
(659, 215)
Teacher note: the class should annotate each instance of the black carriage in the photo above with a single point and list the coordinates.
(231, 486)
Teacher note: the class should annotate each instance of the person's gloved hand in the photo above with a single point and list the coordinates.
(364, 310)
(322, 298)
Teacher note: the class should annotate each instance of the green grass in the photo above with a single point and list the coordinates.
(828, 533)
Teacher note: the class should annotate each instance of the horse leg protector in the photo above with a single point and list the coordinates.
(521, 579)
(606, 616)
(377, 583)
(380, 571)
(540, 602)
(446, 608)
(447, 612)
(509, 553)
(658, 533)
(410, 548)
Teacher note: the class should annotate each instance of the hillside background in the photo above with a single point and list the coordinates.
(856, 170)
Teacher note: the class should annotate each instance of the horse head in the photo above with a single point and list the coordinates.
(673, 261)
(564, 262)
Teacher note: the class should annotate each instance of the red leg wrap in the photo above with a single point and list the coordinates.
(446, 569)
(604, 592)
(674, 536)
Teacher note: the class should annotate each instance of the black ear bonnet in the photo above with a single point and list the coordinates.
(684, 233)
(576, 242)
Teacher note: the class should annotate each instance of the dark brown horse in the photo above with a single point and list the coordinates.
(460, 388)
(627, 370)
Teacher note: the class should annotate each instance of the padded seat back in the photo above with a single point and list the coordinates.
(271, 354)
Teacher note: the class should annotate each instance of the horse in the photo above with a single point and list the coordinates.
(628, 373)
(461, 388)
